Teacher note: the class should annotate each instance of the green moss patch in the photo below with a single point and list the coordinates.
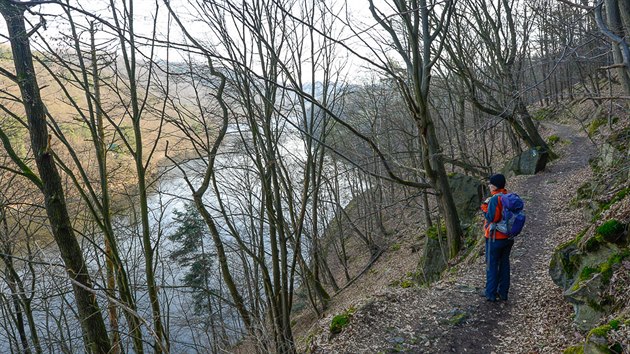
(340, 321)
(407, 283)
(619, 257)
(576, 349)
(595, 124)
(601, 331)
(458, 318)
(433, 232)
(611, 230)
(608, 232)
(617, 348)
(614, 324)
(587, 273)
(553, 140)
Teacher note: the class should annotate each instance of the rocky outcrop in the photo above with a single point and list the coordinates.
(529, 162)
(433, 261)
(564, 264)
(614, 152)
(467, 197)
(583, 268)
(604, 339)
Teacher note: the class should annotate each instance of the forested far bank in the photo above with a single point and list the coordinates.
(197, 176)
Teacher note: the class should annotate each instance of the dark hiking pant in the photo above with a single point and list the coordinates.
(498, 268)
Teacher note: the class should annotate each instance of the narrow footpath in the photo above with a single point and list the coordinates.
(450, 316)
(535, 317)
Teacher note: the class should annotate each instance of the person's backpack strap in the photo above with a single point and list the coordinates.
(491, 224)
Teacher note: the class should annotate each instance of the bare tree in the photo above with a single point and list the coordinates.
(83, 71)
(17, 226)
(616, 28)
(285, 200)
(487, 51)
(414, 29)
(90, 314)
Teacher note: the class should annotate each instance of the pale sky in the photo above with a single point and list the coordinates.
(143, 22)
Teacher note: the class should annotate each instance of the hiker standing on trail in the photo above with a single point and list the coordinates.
(498, 244)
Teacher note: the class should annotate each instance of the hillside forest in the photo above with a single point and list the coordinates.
(283, 176)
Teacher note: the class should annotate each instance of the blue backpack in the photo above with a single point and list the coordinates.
(512, 215)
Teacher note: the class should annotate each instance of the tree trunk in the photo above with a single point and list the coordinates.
(440, 179)
(614, 19)
(223, 263)
(109, 250)
(89, 313)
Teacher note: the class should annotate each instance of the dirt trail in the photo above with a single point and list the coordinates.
(450, 317)
(492, 327)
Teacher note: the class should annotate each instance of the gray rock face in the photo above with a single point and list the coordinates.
(609, 155)
(564, 265)
(433, 262)
(585, 297)
(611, 158)
(577, 271)
(466, 194)
(529, 162)
(615, 154)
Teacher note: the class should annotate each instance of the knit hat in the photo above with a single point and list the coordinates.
(498, 180)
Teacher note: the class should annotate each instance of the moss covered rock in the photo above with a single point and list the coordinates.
(612, 230)
(433, 263)
(586, 298)
(583, 267)
(597, 341)
(565, 263)
(340, 321)
(466, 195)
(528, 162)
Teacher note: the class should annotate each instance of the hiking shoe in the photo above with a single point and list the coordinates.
(497, 297)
